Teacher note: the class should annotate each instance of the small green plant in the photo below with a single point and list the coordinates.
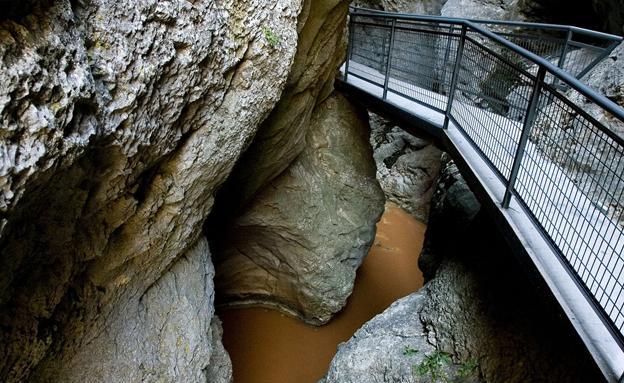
(271, 37)
(467, 368)
(408, 351)
(433, 365)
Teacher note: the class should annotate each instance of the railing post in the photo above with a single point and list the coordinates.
(455, 77)
(349, 47)
(524, 136)
(389, 63)
(564, 51)
(447, 51)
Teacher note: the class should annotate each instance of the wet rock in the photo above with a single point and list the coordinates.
(298, 245)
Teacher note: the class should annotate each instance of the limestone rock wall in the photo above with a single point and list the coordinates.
(611, 13)
(167, 334)
(119, 120)
(281, 138)
(423, 7)
(298, 244)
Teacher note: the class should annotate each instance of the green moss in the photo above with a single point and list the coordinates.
(408, 351)
(433, 368)
(271, 37)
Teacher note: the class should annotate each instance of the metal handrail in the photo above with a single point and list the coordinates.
(570, 80)
(558, 27)
(516, 176)
(577, 85)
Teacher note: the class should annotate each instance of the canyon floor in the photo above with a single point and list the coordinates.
(267, 346)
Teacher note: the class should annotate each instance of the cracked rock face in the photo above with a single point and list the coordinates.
(407, 166)
(298, 245)
(484, 9)
(119, 120)
(303, 197)
(167, 334)
(281, 138)
(478, 307)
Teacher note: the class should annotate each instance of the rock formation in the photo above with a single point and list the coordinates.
(407, 166)
(477, 316)
(423, 7)
(120, 121)
(298, 245)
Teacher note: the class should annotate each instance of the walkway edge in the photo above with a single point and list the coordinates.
(519, 230)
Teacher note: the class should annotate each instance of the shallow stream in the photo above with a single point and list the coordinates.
(269, 347)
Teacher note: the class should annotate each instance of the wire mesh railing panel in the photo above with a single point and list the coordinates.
(571, 180)
(422, 61)
(370, 47)
(580, 58)
(574, 51)
(482, 105)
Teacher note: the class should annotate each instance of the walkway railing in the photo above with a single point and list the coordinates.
(512, 89)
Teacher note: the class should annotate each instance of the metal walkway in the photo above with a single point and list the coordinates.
(505, 100)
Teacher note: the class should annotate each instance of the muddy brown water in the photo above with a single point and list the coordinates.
(269, 347)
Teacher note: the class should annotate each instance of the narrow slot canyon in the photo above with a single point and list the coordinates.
(267, 346)
(188, 194)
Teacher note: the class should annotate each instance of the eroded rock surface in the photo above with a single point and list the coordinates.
(407, 166)
(484, 9)
(281, 138)
(166, 334)
(298, 245)
(119, 121)
(423, 7)
(478, 307)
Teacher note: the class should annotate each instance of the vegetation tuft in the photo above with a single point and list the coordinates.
(433, 367)
(408, 351)
(271, 37)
